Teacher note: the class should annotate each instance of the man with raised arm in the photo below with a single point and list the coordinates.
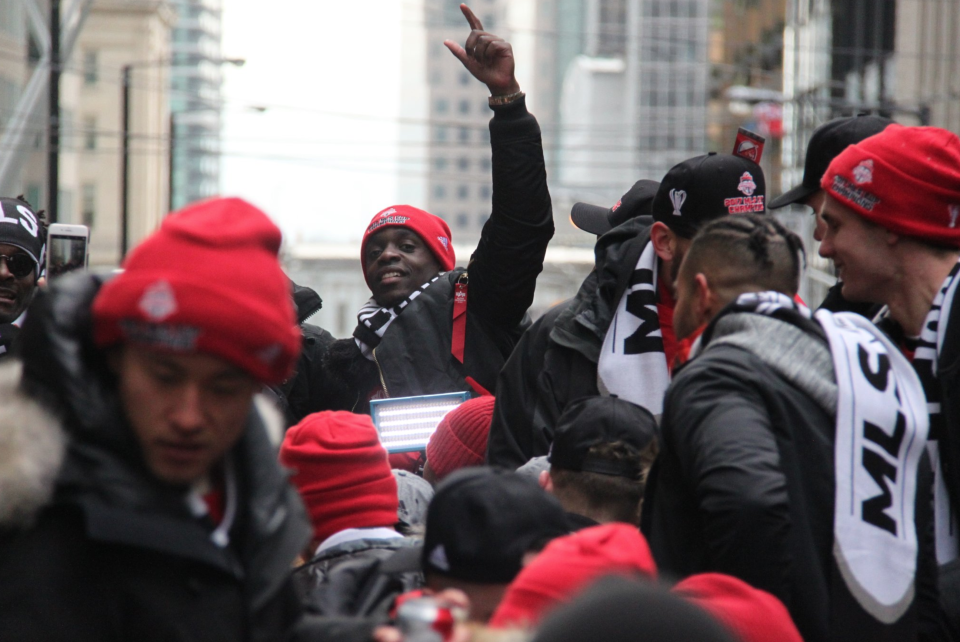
(431, 327)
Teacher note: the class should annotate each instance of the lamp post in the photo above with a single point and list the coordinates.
(125, 78)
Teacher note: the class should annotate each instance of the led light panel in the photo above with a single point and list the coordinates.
(406, 423)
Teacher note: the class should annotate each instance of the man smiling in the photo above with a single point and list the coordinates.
(22, 238)
(430, 327)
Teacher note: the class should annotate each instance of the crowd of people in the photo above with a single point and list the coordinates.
(682, 450)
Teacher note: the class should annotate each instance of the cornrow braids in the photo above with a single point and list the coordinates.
(744, 250)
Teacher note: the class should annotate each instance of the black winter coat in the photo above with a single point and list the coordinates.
(346, 580)
(555, 362)
(744, 485)
(116, 555)
(414, 356)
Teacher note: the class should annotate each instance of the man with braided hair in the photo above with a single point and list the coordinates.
(772, 437)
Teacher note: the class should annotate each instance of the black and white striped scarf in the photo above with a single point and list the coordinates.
(374, 319)
(926, 359)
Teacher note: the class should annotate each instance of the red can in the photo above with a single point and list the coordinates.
(426, 619)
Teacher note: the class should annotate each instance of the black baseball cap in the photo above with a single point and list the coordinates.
(480, 524)
(705, 188)
(600, 220)
(826, 143)
(24, 230)
(592, 421)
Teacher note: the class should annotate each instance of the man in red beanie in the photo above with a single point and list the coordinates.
(460, 440)
(893, 230)
(431, 327)
(568, 566)
(341, 471)
(753, 615)
(170, 518)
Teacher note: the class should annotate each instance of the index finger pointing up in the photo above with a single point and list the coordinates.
(471, 19)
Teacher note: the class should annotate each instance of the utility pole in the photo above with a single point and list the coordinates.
(125, 161)
(53, 133)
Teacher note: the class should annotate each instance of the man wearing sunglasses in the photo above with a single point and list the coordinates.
(22, 238)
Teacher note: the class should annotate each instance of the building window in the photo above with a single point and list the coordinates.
(462, 220)
(464, 78)
(90, 70)
(464, 134)
(485, 192)
(440, 163)
(90, 132)
(440, 134)
(464, 106)
(463, 164)
(88, 207)
(439, 191)
(441, 106)
(463, 192)
(482, 218)
(485, 164)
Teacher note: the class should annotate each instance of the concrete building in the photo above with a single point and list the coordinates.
(195, 101)
(457, 158)
(115, 33)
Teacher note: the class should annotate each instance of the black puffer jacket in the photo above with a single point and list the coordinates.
(555, 362)
(116, 555)
(414, 355)
(744, 482)
(346, 580)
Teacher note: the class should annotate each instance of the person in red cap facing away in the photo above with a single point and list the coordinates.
(751, 614)
(342, 474)
(169, 518)
(430, 326)
(568, 566)
(892, 215)
(460, 440)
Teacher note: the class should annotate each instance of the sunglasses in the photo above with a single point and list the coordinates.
(19, 265)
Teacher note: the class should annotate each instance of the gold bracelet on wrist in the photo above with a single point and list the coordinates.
(496, 101)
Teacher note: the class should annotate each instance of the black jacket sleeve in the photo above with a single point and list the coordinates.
(504, 268)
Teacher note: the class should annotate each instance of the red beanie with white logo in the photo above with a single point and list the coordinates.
(904, 179)
(207, 281)
(341, 471)
(753, 615)
(432, 229)
(569, 565)
(461, 437)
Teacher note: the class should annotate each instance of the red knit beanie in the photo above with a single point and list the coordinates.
(753, 615)
(461, 437)
(432, 229)
(904, 179)
(207, 281)
(341, 471)
(567, 566)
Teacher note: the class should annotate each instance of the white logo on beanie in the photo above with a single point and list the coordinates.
(747, 186)
(954, 214)
(158, 301)
(444, 241)
(387, 212)
(438, 557)
(677, 197)
(863, 173)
